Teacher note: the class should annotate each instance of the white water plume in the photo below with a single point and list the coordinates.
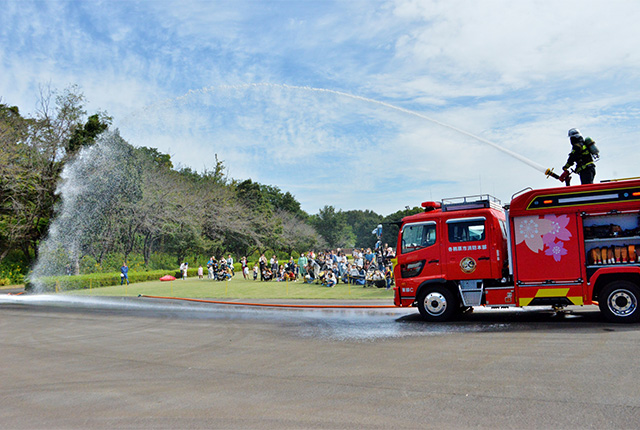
(89, 186)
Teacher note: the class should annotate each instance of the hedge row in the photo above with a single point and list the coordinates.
(96, 280)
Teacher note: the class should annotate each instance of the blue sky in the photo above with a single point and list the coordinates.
(333, 101)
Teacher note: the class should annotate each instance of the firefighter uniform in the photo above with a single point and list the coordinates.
(585, 167)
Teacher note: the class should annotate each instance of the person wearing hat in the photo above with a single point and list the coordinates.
(580, 155)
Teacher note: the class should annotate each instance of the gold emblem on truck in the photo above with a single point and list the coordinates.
(468, 265)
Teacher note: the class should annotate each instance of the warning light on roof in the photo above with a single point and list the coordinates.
(636, 194)
(547, 202)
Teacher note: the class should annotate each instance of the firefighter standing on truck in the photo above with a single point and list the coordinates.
(582, 156)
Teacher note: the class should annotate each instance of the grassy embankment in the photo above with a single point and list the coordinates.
(238, 288)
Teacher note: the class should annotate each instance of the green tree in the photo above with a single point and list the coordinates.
(17, 179)
(154, 158)
(35, 151)
(297, 235)
(333, 227)
(362, 223)
(83, 136)
(282, 201)
(251, 194)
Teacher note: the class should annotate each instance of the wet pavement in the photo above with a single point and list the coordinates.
(78, 362)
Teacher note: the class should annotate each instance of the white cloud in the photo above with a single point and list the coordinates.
(519, 42)
(515, 73)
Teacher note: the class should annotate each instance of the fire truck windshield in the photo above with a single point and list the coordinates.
(417, 236)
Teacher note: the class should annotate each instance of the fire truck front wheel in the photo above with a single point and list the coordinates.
(619, 302)
(437, 303)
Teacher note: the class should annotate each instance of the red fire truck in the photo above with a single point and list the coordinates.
(550, 247)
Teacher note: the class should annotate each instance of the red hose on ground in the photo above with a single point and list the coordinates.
(273, 305)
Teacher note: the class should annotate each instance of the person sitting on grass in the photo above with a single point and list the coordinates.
(357, 275)
(353, 273)
(330, 279)
(224, 272)
(290, 271)
(290, 276)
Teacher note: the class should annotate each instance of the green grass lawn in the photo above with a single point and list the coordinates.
(238, 288)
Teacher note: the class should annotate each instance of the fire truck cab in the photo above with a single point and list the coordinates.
(551, 247)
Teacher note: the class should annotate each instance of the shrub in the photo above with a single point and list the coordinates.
(95, 280)
(11, 273)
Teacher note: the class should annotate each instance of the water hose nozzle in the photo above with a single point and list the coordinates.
(549, 172)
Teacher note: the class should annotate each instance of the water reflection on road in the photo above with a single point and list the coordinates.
(330, 324)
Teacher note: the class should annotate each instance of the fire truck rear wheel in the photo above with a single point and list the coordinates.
(437, 304)
(619, 302)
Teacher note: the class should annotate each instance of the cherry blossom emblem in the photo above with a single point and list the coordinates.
(548, 233)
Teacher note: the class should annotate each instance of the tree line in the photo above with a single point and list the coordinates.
(156, 208)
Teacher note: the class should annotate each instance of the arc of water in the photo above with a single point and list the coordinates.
(425, 117)
(512, 154)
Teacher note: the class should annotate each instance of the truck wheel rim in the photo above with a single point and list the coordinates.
(622, 303)
(435, 303)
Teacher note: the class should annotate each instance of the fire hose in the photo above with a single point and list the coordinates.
(271, 305)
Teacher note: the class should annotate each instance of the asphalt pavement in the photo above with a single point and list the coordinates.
(101, 363)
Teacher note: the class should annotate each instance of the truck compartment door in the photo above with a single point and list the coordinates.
(547, 248)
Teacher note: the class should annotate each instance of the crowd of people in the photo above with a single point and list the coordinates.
(366, 267)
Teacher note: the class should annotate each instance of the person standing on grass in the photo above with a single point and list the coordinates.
(230, 265)
(184, 267)
(124, 273)
(302, 265)
(263, 266)
(245, 268)
(200, 272)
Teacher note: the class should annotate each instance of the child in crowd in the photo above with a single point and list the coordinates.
(330, 279)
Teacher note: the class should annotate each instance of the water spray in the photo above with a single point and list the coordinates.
(205, 90)
(504, 150)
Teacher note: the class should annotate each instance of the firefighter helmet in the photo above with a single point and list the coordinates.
(575, 137)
